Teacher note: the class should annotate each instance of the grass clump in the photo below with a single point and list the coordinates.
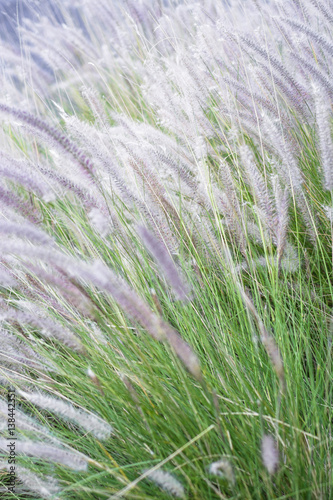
(166, 252)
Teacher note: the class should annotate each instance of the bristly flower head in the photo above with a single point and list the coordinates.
(88, 421)
(45, 451)
(269, 453)
(160, 253)
(167, 482)
(324, 128)
(46, 487)
(222, 468)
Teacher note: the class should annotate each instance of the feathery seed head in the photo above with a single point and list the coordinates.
(222, 468)
(167, 482)
(269, 453)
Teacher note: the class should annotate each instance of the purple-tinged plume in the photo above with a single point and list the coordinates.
(168, 268)
(324, 121)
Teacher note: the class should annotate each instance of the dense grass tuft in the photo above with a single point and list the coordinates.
(166, 226)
